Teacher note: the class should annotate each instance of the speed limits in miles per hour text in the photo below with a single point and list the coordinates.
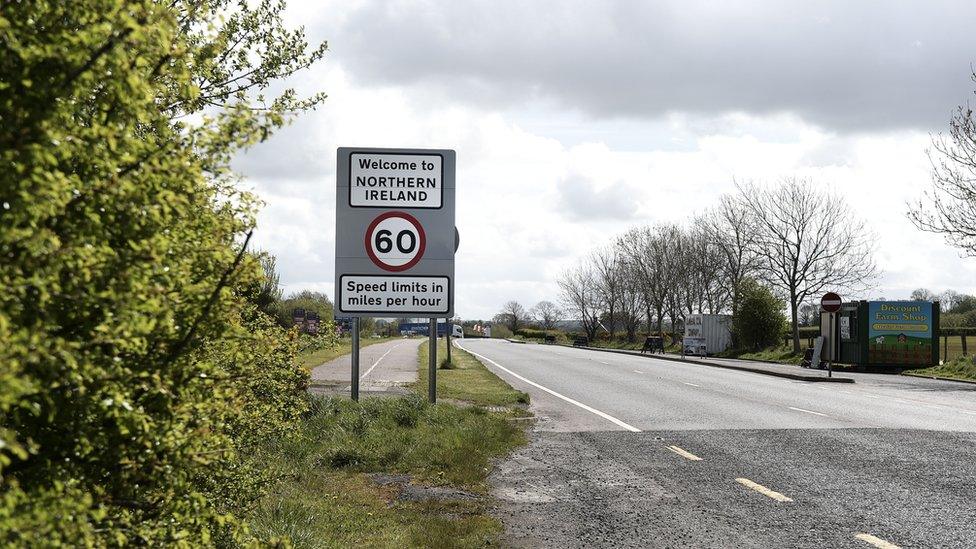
(395, 232)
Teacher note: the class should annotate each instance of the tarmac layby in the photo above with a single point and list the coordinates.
(631, 451)
(383, 368)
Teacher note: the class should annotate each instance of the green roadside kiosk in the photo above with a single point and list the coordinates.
(885, 335)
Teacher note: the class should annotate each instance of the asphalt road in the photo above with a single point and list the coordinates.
(642, 452)
(381, 367)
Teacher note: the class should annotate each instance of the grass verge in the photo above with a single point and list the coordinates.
(466, 379)
(327, 498)
(960, 368)
(314, 358)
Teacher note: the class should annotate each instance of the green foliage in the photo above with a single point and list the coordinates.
(759, 320)
(316, 302)
(500, 331)
(135, 374)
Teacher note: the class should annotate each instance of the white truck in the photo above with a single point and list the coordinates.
(707, 334)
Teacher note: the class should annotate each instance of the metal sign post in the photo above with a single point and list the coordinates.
(395, 238)
(447, 338)
(432, 362)
(354, 388)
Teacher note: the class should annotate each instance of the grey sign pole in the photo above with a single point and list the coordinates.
(447, 337)
(355, 359)
(432, 363)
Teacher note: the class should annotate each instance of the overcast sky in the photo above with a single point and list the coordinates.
(573, 121)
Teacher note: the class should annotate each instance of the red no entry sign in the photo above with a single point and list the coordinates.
(395, 241)
(830, 302)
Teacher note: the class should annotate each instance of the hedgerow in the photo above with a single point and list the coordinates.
(135, 375)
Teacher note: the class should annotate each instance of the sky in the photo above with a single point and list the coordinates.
(574, 121)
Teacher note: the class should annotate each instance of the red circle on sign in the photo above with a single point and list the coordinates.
(421, 245)
(830, 302)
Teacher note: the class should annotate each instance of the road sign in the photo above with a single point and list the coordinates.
(395, 241)
(830, 302)
(395, 234)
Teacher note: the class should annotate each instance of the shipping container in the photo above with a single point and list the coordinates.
(707, 334)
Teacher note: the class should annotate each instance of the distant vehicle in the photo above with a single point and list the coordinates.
(707, 334)
(457, 331)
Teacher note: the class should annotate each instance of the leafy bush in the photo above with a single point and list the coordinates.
(760, 320)
(135, 377)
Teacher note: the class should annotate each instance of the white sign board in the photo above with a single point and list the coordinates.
(395, 235)
(396, 180)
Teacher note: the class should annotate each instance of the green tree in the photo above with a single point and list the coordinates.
(760, 320)
(311, 301)
(134, 378)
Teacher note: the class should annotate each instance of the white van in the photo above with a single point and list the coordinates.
(458, 331)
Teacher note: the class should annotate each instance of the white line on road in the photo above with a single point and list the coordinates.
(379, 359)
(638, 372)
(763, 490)
(601, 362)
(807, 411)
(692, 384)
(876, 541)
(684, 453)
(604, 415)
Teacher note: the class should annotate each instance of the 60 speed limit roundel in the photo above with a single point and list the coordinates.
(395, 241)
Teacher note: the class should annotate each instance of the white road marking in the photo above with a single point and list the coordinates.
(876, 541)
(807, 411)
(692, 384)
(379, 359)
(601, 362)
(638, 372)
(684, 453)
(604, 415)
(763, 490)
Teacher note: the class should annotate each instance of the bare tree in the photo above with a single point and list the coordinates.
(606, 267)
(631, 295)
(706, 261)
(949, 299)
(808, 241)
(641, 249)
(513, 315)
(923, 294)
(951, 208)
(729, 226)
(579, 289)
(547, 313)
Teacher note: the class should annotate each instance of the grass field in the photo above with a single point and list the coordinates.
(954, 350)
(329, 495)
(466, 379)
(314, 358)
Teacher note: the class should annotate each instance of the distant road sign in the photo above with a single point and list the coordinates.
(831, 302)
(395, 232)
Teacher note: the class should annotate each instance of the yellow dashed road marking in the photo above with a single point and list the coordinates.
(876, 541)
(684, 453)
(763, 490)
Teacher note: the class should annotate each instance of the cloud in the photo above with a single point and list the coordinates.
(582, 199)
(568, 130)
(844, 66)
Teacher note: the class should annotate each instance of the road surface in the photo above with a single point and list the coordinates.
(641, 452)
(383, 367)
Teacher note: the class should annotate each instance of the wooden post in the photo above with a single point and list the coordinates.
(965, 351)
